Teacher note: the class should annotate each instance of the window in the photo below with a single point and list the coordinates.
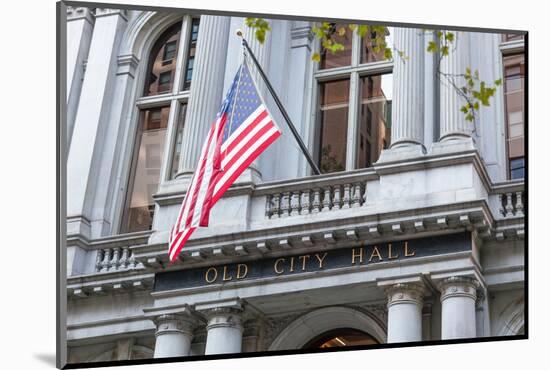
(353, 104)
(514, 79)
(162, 110)
(341, 338)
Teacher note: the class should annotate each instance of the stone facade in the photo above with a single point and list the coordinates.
(422, 186)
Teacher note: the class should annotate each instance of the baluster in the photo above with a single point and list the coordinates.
(336, 199)
(295, 203)
(326, 200)
(316, 207)
(114, 261)
(106, 259)
(519, 202)
(268, 206)
(132, 262)
(285, 204)
(123, 263)
(502, 199)
(305, 202)
(509, 205)
(98, 260)
(276, 207)
(356, 199)
(363, 193)
(347, 198)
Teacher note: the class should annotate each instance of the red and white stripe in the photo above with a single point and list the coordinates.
(210, 181)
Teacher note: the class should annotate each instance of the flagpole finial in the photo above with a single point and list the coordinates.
(239, 32)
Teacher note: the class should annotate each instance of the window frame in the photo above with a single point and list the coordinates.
(354, 72)
(174, 99)
(511, 48)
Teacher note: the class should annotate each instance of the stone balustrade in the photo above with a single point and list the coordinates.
(115, 259)
(315, 198)
(511, 199)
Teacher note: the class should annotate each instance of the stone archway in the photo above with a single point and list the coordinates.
(302, 330)
(515, 322)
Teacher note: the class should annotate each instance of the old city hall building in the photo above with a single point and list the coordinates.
(414, 231)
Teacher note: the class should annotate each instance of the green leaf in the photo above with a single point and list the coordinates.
(498, 82)
(362, 30)
(316, 57)
(341, 31)
(449, 36)
(445, 50)
(388, 53)
(432, 47)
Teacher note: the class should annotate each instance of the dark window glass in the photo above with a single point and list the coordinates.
(333, 115)
(341, 338)
(368, 52)
(170, 51)
(514, 82)
(340, 58)
(179, 140)
(191, 55)
(517, 168)
(374, 125)
(145, 174)
(164, 49)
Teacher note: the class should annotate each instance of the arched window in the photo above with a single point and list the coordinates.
(345, 337)
(162, 108)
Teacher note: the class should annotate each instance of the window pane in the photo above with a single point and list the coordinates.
(333, 114)
(162, 62)
(145, 175)
(368, 54)
(191, 55)
(517, 168)
(374, 118)
(179, 140)
(514, 72)
(342, 57)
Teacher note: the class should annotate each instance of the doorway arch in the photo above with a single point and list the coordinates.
(314, 324)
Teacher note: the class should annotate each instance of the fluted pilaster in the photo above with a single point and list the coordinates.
(453, 124)
(408, 89)
(206, 88)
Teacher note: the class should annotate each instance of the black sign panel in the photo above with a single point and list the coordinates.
(315, 261)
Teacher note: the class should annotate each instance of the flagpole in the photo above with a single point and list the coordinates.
(280, 105)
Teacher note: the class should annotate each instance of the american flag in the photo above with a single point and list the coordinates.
(242, 131)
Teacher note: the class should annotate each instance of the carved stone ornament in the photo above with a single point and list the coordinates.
(458, 286)
(405, 293)
(175, 323)
(224, 317)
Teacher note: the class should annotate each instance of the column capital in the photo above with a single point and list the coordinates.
(175, 323)
(458, 286)
(405, 293)
(224, 317)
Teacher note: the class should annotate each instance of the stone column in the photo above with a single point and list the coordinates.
(206, 89)
(91, 120)
(408, 89)
(405, 312)
(453, 125)
(80, 24)
(458, 307)
(174, 335)
(224, 330)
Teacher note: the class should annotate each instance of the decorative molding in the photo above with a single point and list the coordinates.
(103, 12)
(76, 13)
(405, 293)
(127, 64)
(458, 286)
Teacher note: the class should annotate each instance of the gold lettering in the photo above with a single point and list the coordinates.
(407, 254)
(243, 275)
(355, 255)
(304, 258)
(211, 269)
(225, 277)
(320, 259)
(375, 252)
(390, 256)
(291, 264)
(276, 265)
